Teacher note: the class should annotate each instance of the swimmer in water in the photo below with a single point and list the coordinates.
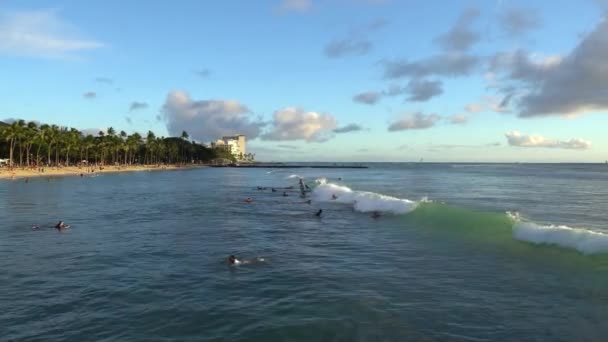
(376, 214)
(308, 202)
(233, 261)
(248, 199)
(61, 225)
(318, 214)
(285, 194)
(35, 227)
(274, 190)
(334, 197)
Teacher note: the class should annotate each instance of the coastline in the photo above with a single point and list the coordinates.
(19, 173)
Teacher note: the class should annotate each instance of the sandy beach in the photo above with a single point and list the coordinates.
(19, 173)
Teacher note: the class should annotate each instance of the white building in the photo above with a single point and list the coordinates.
(236, 145)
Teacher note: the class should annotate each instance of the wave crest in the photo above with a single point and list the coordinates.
(362, 201)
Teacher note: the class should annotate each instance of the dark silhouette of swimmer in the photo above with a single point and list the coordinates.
(376, 214)
(308, 202)
(274, 190)
(334, 197)
(285, 194)
(318, 214)
(233, 261)
(61, 225)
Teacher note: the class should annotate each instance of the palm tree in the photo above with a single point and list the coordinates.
(10, 135)
(29, 138)
(184, 138)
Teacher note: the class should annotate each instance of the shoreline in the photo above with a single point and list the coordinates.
(76, 171)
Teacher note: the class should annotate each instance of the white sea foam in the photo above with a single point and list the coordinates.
(583, 240)
(361, 201)
(294, 176)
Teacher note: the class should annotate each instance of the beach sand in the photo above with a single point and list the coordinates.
(19, 173)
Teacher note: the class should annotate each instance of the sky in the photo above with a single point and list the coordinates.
(314, 80)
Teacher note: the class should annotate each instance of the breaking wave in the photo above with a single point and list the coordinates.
(474, 224)
(583, 240)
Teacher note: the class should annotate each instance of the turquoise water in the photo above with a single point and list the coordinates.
(145, 257)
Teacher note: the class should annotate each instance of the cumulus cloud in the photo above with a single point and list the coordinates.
(208, 120)
(518, 21)
(368, 97)
(295, 124)
(89, 95)
(40, 34)
(137, 105)
(356, 43)
(490, 103)
(461, 36)
(459, 119)
(449, 65)
(454, 59)
(574, 84)
(414, 121)
(105, 80)
(297, 6)
(349, 128)
(354, 46)
(423, 90)
(514, 138)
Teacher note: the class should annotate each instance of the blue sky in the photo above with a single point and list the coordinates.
(312, 80)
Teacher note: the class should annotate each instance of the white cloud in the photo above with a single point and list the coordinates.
(459, 119)
(295, 124)
(420, 90)
(208, 120)
(298, 6)
(41, 34)
(461, 37)
(514, 138)
(414, 121)
(474, 107)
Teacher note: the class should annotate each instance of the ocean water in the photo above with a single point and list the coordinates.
(145, 259)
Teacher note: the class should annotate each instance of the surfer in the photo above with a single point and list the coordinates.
(334, 197)
(376, 214)
(285, 194)
(318, 214)
(274, 190)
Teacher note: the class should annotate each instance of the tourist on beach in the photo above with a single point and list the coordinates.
(318, 214)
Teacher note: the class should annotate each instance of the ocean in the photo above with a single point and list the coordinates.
(460, 252)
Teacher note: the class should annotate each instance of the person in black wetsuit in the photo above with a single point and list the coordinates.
(318, 214)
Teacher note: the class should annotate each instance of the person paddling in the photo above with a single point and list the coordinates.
(318, 214)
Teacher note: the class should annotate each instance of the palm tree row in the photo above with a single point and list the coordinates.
(29, 144)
